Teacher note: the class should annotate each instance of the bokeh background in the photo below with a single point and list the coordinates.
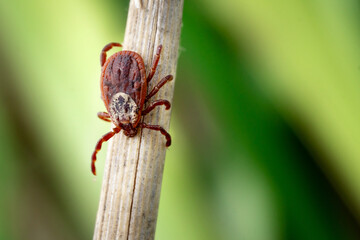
(265, 120)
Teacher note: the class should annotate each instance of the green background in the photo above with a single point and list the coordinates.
(265, 119)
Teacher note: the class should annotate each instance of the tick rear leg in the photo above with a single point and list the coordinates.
(156, 103)
(155, 63)
(98, 147)
(159, 128)
(158, 86)
(105, 49)
(104, 116)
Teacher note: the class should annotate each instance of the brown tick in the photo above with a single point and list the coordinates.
(123, 86)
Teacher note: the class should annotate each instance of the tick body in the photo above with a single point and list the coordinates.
(124, 90)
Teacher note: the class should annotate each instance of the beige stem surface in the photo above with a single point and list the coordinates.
(134, 166)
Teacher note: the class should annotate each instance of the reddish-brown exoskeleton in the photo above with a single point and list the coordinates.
(123, 86)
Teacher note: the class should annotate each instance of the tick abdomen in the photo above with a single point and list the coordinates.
(123, 73)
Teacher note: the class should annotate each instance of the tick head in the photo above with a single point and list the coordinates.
(123, 109)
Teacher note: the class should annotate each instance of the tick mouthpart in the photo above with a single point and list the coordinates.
(125, 121)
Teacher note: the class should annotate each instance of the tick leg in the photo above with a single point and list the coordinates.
(155, 63)
(104, 116)
(159, 128)
(105, 49)
(98, 147)
(158, 86)
(156, 103)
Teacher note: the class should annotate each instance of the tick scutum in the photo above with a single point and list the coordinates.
(123, 109)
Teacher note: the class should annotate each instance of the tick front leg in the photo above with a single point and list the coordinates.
(105, 49)
(156, 103)
(159, 128)
(104, 116)
(98, 147)
(155, 63)
(158, 86)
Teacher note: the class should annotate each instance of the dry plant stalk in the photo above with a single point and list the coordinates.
(134, 166)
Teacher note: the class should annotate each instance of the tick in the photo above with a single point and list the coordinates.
(123, 84)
